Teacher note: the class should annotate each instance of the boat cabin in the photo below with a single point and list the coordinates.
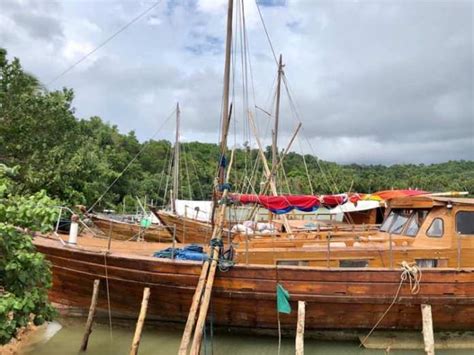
(427, 230)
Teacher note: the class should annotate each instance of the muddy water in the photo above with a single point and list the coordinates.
(64, 337)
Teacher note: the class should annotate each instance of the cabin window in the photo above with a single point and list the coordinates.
(427, 263)
(397, 220)
(436, 229)
(353, 263)
(293, 262)
(465, 222)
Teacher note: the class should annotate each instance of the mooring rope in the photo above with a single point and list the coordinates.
(410, 272)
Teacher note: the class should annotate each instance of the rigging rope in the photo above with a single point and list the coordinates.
(107, 40)
(306, 168)
(170, 166)
(266, 33)
(332, 188)
(187, 174)
(145, 145)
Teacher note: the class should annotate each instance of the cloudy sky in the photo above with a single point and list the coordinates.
(373, 81)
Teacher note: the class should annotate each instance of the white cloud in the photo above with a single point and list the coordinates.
(372, 82)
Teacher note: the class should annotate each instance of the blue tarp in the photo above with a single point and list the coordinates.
(190, 252)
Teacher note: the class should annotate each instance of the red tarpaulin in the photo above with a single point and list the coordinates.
(286, 203)
(308, 203)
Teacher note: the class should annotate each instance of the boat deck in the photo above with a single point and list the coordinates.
(86, 241)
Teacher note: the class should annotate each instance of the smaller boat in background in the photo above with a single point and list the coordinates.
(142, 229)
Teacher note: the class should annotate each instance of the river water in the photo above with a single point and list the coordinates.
(65, 335)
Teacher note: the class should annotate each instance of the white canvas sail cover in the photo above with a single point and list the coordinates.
(200, 210)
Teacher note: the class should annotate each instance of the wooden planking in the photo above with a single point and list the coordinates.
(188, 230)
(244, 296)
(124, 231)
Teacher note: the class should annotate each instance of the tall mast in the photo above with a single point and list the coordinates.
(176, 162)
(277, 117)
(202, 295)
(225, 103)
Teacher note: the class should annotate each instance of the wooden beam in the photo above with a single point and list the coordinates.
(90, 317)
(275, 168)
(277, 118)
(299, 342)
(428, 336)
(266, 168)
(174, 196)
(141, 320)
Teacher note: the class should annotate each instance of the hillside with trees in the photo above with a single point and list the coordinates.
(76, 160)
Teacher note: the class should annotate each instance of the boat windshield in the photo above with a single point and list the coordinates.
(399, 218)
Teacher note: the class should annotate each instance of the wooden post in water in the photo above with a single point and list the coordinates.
(428, 336)
(299, 342)
(141, 320)
(90, 317)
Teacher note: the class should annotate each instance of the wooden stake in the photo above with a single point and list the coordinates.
(90, 317)
(428, 336)
(183, 348)
(299, 342)
(141, 320)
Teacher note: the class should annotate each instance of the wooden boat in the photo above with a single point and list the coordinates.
(127, 231)
(364, 222)
(351, 291)
(185, 229)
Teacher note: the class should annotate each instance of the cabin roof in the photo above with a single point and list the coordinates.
(455, 200)
(428, 201)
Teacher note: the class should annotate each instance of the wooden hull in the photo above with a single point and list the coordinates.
(186, 230)
(125, 231)
(244, 297)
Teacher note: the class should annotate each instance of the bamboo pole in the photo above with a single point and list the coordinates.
(183, 347)
(141, 320)
(299, 342)
(428, 336)
(196, 345)
(90, 317)
(206, 297)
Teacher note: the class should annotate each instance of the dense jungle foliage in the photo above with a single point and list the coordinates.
(24, 274)
(75, 160)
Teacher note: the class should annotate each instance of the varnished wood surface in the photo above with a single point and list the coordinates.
(186, 230)
(245, 295)
(125, 231)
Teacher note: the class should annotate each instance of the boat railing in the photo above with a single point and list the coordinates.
(80, 221)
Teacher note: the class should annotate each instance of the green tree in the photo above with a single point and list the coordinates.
(25, 275)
